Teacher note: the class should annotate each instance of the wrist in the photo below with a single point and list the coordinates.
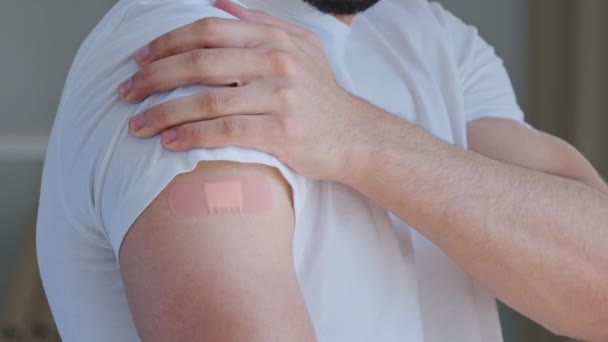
(366, 140)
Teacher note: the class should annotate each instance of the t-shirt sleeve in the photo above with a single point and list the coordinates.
(486, 86)
(128, 173)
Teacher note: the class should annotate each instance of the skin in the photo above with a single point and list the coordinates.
(347, 19)
(215, 278)
(530, 224)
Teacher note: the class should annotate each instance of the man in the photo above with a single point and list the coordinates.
(153, 228)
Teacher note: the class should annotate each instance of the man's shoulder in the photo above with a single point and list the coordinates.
(422, 15)
(132, 22)
(163, 13)
(90, 112)
(410, 26)
(106, 55)
(424, 26)
(420, 20)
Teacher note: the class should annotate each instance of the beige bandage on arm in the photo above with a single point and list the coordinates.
(202, 196)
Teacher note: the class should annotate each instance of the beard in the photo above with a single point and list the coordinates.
(341, 7)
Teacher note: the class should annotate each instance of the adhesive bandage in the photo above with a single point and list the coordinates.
(202, 196)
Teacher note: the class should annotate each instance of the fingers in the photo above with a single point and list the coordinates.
(203, 33)
(247, 131)
(208, 105)
(218, 33)
(257, 16)
(211, 67)
(206, 33)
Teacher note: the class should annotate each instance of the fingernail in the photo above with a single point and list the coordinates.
(143, 55)
(169, 136)
(216, 2)
(137, 122)
(126, 87)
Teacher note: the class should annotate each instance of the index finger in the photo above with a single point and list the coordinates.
(211, 32)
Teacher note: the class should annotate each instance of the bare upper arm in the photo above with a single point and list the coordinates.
(227, 277)
(514, 143)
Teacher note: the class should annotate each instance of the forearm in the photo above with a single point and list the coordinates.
(535, 240)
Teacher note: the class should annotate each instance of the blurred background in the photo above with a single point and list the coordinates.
(555, 50)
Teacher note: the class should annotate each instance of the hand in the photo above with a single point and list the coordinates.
(284, 99)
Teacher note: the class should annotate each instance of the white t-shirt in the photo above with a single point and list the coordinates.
(365, 275)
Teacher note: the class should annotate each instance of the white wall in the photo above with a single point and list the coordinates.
(38, 39)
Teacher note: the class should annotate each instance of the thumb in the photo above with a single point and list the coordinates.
(232, 8)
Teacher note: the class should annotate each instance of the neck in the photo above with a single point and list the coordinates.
(347, 19)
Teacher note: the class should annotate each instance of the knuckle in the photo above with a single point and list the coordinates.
(198, 58)
(211, 102)
(278, 35)
(206, 25)
(231, 127)
(287, 98)
(285, 64)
